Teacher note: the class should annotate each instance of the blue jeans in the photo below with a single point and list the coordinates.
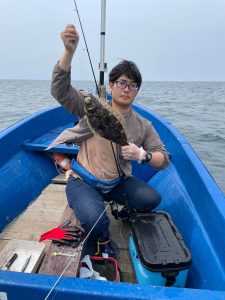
(87, 202)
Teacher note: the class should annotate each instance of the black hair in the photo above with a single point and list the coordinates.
(128, 68)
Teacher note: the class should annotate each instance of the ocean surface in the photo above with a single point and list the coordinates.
(196, 109)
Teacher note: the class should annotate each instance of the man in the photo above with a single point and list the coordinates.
(106, 161)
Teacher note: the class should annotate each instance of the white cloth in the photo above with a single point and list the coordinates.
(89, 272)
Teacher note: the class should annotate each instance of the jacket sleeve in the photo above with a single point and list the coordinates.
(64, 93)
(153, 143)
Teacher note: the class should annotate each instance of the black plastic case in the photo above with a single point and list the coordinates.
(159, 245)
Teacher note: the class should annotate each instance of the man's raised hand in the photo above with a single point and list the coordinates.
(70, 38)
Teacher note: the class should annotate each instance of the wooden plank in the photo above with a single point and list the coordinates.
(3, 244)
(42, 214)
(55, 265)
(128, 277)
(56, 187)
(60, 179)
(51, 195)
(69, 215)
(120, 231)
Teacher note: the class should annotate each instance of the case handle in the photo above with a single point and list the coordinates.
(170, 277)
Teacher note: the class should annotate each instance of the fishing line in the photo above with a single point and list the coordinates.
(79, 248)
(75, 253)
(89, 57)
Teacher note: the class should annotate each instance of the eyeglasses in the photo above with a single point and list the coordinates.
(121, 84)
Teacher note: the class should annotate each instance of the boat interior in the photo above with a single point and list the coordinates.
(50, 210)
(38, 201)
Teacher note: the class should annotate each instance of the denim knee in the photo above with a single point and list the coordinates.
(140, 195)
(149, 202)
(145, 202)
(100, 228)
(87, 204)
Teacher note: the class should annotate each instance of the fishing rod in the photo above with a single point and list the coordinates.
(101, 90)
(103, 64)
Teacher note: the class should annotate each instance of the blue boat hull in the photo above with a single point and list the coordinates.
(189, 195)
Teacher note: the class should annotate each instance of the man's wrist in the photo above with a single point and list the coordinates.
(66, 60)
(148, 157)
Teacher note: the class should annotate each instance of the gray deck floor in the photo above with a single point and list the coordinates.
(47, 211)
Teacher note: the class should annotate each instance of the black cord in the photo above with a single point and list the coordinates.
(117, 164)
(87, 48)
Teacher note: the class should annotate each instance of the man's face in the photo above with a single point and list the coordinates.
(124, 91)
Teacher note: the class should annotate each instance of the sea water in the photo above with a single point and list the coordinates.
(196, 109)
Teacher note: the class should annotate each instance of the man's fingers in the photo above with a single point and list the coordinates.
(70, 26)
(125, 149)
(131, 152)
(69, 35)
(70, 31)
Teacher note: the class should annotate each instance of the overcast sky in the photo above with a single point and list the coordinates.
(168, 39)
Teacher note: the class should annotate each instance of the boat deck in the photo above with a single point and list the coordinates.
(48, 211)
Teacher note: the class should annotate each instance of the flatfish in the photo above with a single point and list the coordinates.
(104, 121)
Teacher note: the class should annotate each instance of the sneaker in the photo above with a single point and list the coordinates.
(106, 246)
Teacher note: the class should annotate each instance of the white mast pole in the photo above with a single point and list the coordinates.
(102, 65)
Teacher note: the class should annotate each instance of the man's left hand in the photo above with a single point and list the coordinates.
(133, 152)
